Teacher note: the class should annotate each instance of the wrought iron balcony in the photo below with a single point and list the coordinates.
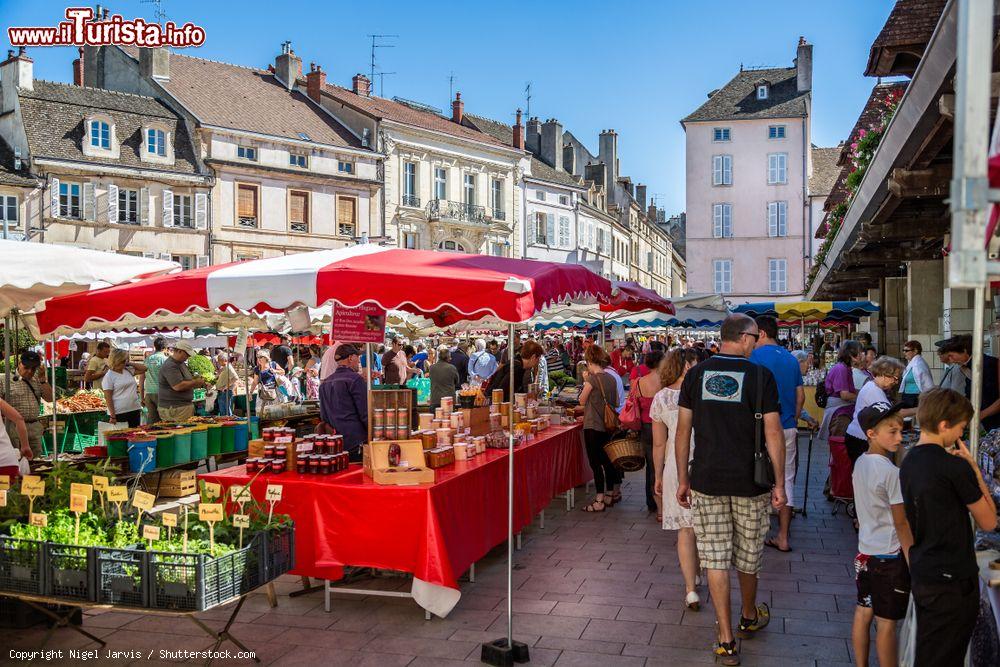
(453, 211)
(411, 200)
(498, 214)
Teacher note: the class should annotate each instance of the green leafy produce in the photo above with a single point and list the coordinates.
(202, 366)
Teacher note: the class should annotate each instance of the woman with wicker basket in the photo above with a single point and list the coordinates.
(663, 412)
(599, 400)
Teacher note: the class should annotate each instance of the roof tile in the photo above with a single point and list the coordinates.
(737, 100)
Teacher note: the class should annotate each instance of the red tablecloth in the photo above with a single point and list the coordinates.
(435, 531)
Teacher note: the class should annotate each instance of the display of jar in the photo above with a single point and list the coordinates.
(447, 404)
(337, 444)
(278, 466)
(497, 397)
(428, 439)
(267, 434)
(438, 414)
(253, 465)
(379, 417)
(281, 452)
(390, 417)
(302, 464)
(443, 437)
(402, 417)
(426, 421)
(314, 464)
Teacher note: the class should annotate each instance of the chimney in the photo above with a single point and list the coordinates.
(17, 71)
(804, 66)
(533, 137)
(569, 159)
(361, 85)
(651, 213)
(518, 132)
(596, 173)
(457, 108)
(315, 80)
(552, 144)
(608, 154)
(155, 63)
(78, 70)
(287, 66)
(640, 196)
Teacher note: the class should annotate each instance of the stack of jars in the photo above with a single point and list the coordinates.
(391, 424)
(321, 464)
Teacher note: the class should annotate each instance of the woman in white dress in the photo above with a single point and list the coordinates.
(663, 412)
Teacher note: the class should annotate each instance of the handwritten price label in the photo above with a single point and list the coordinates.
(77, 503)
(3, 497)
(304, 447)
(85, 490)
(143, 501)
(211, 512)
(169, 520)
(213, 490)
(4, 482)
(273, 493)
(32, 485)
(39, 519)
(239, 494)
(101, 484)
(241, 521)
(150, 532)
(118, 494)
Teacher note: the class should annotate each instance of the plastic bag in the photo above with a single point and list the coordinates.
(423, 387)
(103, 428)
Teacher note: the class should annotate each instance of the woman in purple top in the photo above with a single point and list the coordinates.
(841, 390)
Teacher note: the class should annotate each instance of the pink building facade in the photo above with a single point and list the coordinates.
(748, 167)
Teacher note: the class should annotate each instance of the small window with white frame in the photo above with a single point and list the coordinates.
(183, 211)
(70, 202)
(722, 170)
(411, 240)
(777, 168)
(248, 153)
(8, 211)
(722, 270)
(762, 91)
(100, 134)
(298, 160)
(564, 200)
(777, 218)
(722, 221)
(540, 195)
(128, 206)
(345, 167)
(775, 131)
(156, 141)
(720, 134)
(777, 276)
(186, 261)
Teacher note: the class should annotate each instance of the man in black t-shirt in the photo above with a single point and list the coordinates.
(281, 354)
(940, 489)
(725, 400)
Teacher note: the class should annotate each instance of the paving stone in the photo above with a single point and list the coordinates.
(422, 646)
(619, 631)
(667, 616)
(574, 659)
(547, 626)
(585, 610)
(581, 645)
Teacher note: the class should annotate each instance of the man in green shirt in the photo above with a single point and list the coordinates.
(151, 383)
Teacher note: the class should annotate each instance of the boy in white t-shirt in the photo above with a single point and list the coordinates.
(884, 537)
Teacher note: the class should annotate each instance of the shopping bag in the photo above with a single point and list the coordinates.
(908, 636)
(103, 428)
(423, 387)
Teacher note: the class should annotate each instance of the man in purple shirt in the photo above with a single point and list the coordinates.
(343, 400)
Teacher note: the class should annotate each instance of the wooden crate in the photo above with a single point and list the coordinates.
(389, 399)
(178, 483)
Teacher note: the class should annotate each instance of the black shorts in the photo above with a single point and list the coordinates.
(883, 585)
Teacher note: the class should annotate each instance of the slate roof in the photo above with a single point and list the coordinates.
(505, 134)
(737, 100)
(824, 170)
(908, 28)
(54, 116)
(19, 179)
(249, 99)
(381, 108)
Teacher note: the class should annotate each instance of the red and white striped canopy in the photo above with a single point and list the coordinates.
(445, 287)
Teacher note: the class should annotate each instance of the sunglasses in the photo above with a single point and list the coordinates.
(755, 336)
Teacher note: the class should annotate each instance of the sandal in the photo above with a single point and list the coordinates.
(615, 497)
(592, 507)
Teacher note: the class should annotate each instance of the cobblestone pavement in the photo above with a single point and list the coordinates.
(590, 589)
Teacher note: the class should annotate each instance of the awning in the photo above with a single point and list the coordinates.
(810, 311)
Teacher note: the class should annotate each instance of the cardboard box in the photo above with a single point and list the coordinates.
(477, 419)
(411, 471)
(255, 449)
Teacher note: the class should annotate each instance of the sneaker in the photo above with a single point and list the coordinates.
(726, 653)
(749, 626)
(692, 601)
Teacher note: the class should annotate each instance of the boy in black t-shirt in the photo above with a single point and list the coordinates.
(941, 486)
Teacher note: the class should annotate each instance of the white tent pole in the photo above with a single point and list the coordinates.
(510, 493)
(52, 365)
(6, 355)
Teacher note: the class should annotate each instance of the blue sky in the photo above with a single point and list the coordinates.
(637, 67)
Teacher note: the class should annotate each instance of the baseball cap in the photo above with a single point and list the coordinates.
(345, 350)
(31, 359)
(870, 416)
(185, 347)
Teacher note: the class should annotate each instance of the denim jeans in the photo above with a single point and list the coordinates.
(224, 403)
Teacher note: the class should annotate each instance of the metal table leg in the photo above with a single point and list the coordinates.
(223, 635)
(62, 622)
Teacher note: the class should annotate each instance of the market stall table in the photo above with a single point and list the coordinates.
(434, 531)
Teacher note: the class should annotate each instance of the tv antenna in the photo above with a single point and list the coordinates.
(527, 97)
(381, 82)
(451, 87)
(376, 44)
(159, 15)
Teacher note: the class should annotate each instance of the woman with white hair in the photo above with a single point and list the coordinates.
(482, 364)
(121, 392)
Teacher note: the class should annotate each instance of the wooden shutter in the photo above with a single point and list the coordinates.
(144, 209)
(201, 211)
(89, 202)
(247, 202)
(299, 207)
(112, 203)
(168, 208)
(346, 217)
(54, 197)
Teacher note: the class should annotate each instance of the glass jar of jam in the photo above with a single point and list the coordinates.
(278, 466)
(402, 417)
(268, 434)
(314, 464)
(324, 465)
(252, 465)
(338, 444)
(379, 417)
(319, 447)
(268, 451)
(390, 417)
(281, 452)
(302, 464)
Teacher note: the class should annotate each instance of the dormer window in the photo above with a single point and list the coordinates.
(246, 153)
(156, 142)
(300, 160)
(762, 91)
(100, 134)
